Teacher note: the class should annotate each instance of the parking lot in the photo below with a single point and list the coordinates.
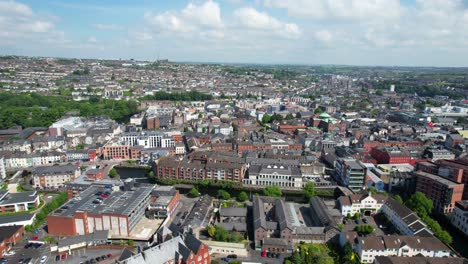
(82, 255)
(351, 224)
(254, 256)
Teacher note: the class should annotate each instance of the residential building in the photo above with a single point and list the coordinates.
(9, 236)
(101, 208)
(181, 249)
(459, 217)
(442, 191)
(53, 177)
(401, 246)
(233, 218)
(169, 167)
(365, 203)
(406, 221)
(454, 139)
(276, 175)
(116, 152)
(164, 201)
(17, 202)
(390, 155)
(2, 168)
(419, 260)
(17, 219)
(351, 173)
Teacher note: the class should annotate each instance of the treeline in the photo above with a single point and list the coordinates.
(421, 90)
(47, 209)
(181, 96)
(35, 110)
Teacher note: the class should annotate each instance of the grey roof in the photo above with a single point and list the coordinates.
(55, 170)
(21, 197)
(118, 202)
(96, 236)
(177, 248)
(234, 226)
(8, 231)
(280, 213)
(7, 219)
(320, 214)
(233, 211)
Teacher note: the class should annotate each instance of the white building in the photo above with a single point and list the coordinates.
(2, 168)
(402, 246)
(405, 220)
(52, 177)
(360, 203)
(147, 139)
(276, 175)
(460, 216)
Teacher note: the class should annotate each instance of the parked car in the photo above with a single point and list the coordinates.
(57, 257)
(233, 256)
(10, 253)
(364, 220)
(3, 260)
(43, 259)
(109, 255)
(63, 256)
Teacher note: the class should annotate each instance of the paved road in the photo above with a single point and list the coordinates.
(254, 256)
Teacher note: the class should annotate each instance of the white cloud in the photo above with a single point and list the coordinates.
(14, 8)
(193, 18)
(324, 36)
(250, 18)
(107, 26)
(92, 40)
(339, 9)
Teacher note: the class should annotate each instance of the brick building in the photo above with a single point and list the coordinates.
(101, 208)
(390, 155)
(9, 236)
(116, 152)
(442, 191)
(53, 177)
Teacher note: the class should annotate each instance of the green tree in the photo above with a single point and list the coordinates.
(289, 117)
(419, 203)
(398, 198)
(131, 243)
(242, 197)
(193, 193)
(113, 173)
(309, 190)
(211, 231)
(273, 191)
(266, 119)
(318, 110)
(224, 195)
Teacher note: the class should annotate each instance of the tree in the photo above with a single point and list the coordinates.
(211, 231)
(242, 197)
(309, 190)
(222, 194)
(398, 198)
(266, 119)
(289, 117)
(131, 243)
(151, 174)
(419, 203)
(204, 130)
(113, 173)
(318, 110)
(273, 191)
(193, 193)
(356, 216)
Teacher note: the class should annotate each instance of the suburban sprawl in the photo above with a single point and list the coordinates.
(133, 162)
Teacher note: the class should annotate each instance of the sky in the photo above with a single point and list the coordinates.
(345, 32)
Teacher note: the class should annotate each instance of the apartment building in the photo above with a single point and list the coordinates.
(276, 175)
(405, 220)
(17, 202)
(351, 173)
(442, 191)
(361, 203)
(2, 168)
(401, 246)
(55, 176)
(459, 217)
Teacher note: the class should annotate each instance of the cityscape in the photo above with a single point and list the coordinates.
(166, 160)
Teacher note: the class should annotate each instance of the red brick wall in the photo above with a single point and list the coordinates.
(61, 226)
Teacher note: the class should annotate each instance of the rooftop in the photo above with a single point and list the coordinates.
(117, 202)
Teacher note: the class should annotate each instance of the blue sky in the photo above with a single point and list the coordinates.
(354, 32)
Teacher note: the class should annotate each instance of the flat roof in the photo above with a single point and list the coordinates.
(10, 219)
(117, 202)
(437, 178)
(20, 197)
